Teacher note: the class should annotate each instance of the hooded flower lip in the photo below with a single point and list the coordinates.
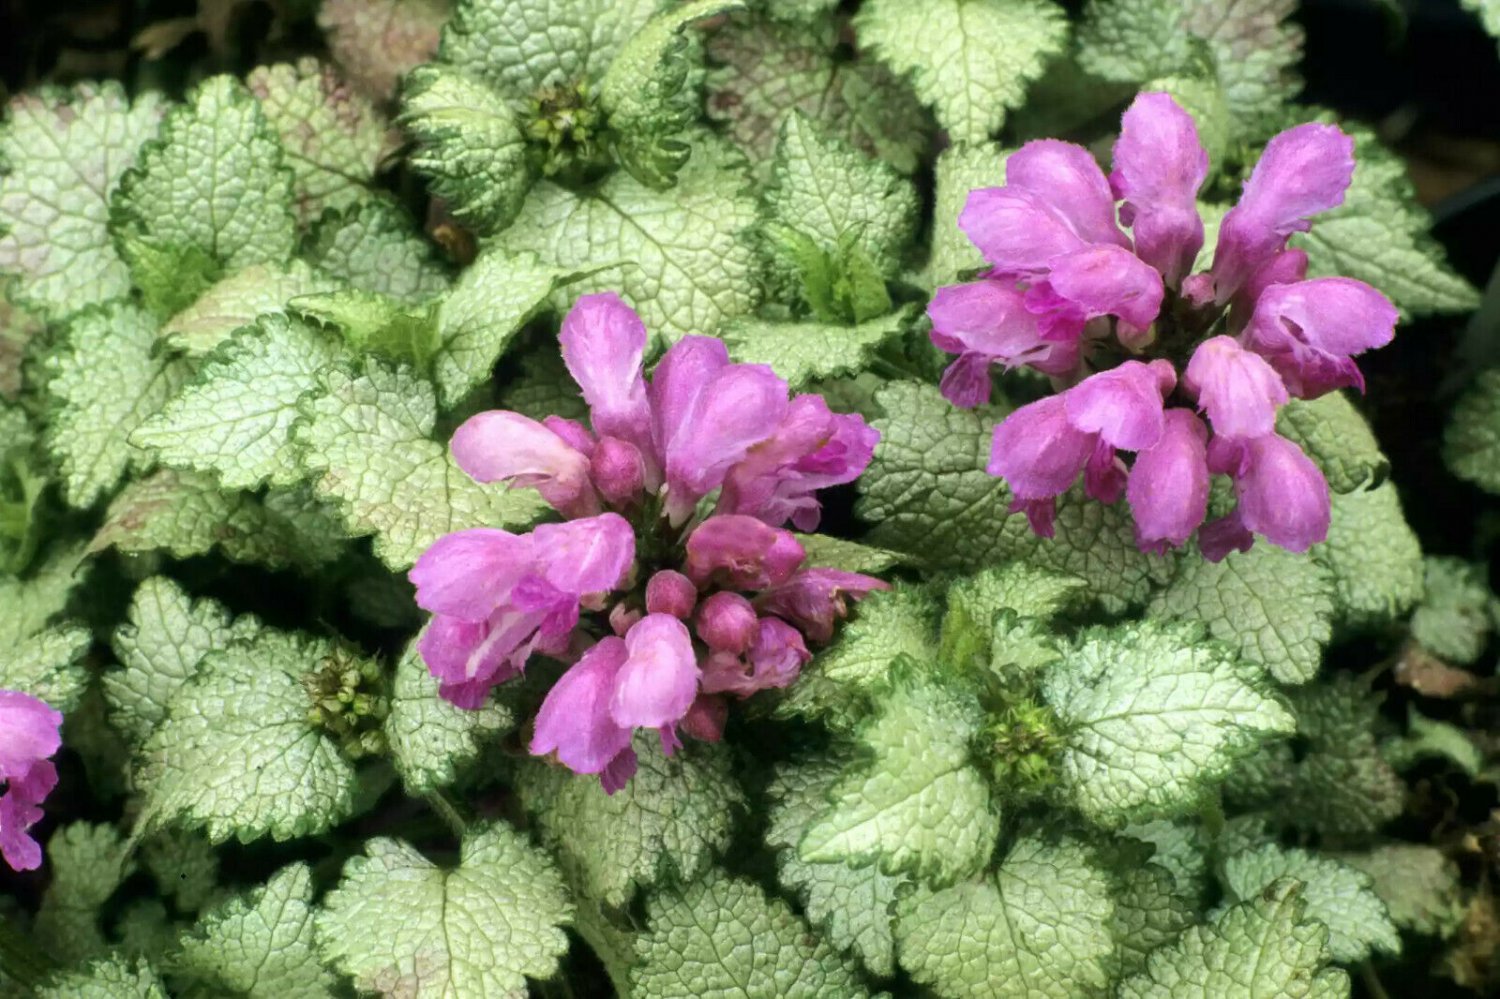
(659, 680)
(29, 736)
(1282, 495)
(603, 345)
(816, 599)
(500, 446)
(1168, 484)
(575, 721)
(1159, 165)
(1123, 405)
(1310, 330)
(742, 553)
(1238, 390)
(987, 322)
(738, 408)
(1066, 176)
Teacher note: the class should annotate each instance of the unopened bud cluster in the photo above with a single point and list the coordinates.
(349, 702)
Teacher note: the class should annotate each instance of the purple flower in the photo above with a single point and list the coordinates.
(575, 720)
(619, 472)
(659, 680)
(1238, 390)
(498, 446)
(816, 599)
(1159, 166)
(29, 735)
(1310, 330)
(1282, 496)
(986, 323)
(726, 622)
(742, 553)
(1168, 485)
(603, 344)
(774, 659)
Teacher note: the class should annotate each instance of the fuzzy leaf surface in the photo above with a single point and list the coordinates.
(47, 666)
(238, 300)
(431, 739)
(1375, 557)
(375, 246)
(809, 351)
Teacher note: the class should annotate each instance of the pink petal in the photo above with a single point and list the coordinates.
(20, 810)
(1018, 232)
(1067, 177)
(468, 658)
(680, 377)
(28, 732)
(1123, 405)
(816, 599)
(575, 722)
(618, 471)
(592, 555)
(726, 623)
(659, 680)
(1159, 164)
(1309, 330)
(618, 772)
(603, 343)
(741, 552)
(1038, 452)
(1238, 390)
(1168, 486)
(670, 592)
(1100, 280)
(495, 446)
(1282, 495)
(467, 574)
(984, 322)
(740, 407)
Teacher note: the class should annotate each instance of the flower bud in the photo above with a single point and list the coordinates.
(742, 553)
(726, 622)
(622, 617)
(670, 592)
(618, 471)
(705, 719)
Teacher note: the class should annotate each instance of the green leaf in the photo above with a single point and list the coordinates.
(1379, 235)
(686, 263)
(544, 387)
(1418, 884)
(970, 629)
(1458, 612)
(961, 168)
(1150, 911)
(27, 604)
(366, 439)
(1338, 438)
(259, 946)
(927, 494)
(234, 419)
(470, 146)
(114, 977)
(238, 300)
(237, 754)
(1152, 717)
(646, 95)
(401, 925)
(762, 71)
(47, 666)
(186, 514)
(487, 307)
(64, 152)
(159, 648)
(1263, 947)
(854, 906)
(185, 866)
(520, 47)
(212, 190)
(18, 329)
(372, 323)
(918, 805)
(431, 739)
(1273, 607)
(1181, 849)
(1338, 896)
(1038, 928)
(676, 814)
(850, 556)
(1428, 739)
(1375, 557)
(107, 379)
(825, 188)
(1471, 444)
(88, 862)
(376, 42)
(333, 136)
(959, 69)
(806, 352)
(721, 936)
(375, 246)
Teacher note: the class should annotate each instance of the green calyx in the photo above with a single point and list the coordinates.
(349, 702)
(566, 130)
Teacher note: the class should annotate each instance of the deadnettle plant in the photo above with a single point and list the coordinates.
(1140, 349)
(673, 583)
(29, 735)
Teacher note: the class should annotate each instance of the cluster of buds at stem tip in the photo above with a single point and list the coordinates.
(1141, 350)
(349, 702)
(672, 584)
(30, 733)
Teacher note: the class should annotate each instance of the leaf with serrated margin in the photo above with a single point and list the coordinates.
(234, 418)
(1471, 444)
(470, 146)
(1037, 928)
(28, 603)
(853, 905)
(376, 42)
(63, 152)
(1338, 439)
(763, 71)
(375, 246)
(333, 137)
(1420, 886)
(961, 168)
(973, 630)
(1150, 912)
(916, 804)
(1458, 609)
(969, 79)
(685, 262)
(1379, 235)
(676, 814)
(1338, 896)
(1274, 607)
(238, 300)
(1152, 717)
(159, 648)
(366, 439)
(212, 191)
(722, 936)
(259, 946)
(1264, 948)
(47, 666)
(806, 352)
(430, 739)
(850, 556)
(400, 925)
(88, 862)
(114, 977)
(237, 755)
(107, 379)
(544, 387)
(1375, 557)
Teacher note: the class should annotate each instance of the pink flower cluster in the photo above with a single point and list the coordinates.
(694, 601)
(1126, 331)
(28, 737)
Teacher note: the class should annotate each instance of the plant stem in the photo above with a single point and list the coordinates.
(448, 812)
(1372, 981)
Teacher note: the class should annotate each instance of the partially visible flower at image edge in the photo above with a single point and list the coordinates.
(1140, 349)
(689, 599)
(29, 736)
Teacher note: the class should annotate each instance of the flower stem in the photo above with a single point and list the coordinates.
(448, 812)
